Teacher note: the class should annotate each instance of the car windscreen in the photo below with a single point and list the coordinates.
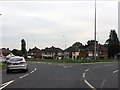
(15, 59)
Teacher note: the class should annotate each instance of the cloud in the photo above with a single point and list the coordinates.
(44, 23)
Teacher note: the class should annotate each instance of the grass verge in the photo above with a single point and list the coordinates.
(2, 66)
(73, 61)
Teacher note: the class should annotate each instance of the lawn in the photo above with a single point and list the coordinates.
(73, 61)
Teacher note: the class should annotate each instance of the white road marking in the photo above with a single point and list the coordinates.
(87, 81)
(65, 66)
(115, 71)
(83, 74)
(24, 76)
(89, 84)
(27, 73)
(33, 70)
(108, 65)
(6, 84)
(97, 66)
(71, 66)
(87, 70)
(103, 83)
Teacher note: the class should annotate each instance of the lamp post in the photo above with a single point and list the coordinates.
(95, 34)
(65, 46)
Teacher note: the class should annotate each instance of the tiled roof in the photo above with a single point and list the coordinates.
(53, 49)
(35, 50)
(72, 49)
(4, 51)
(98, 48)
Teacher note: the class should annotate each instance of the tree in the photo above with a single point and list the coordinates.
(112, 44)
(91, 42)
(17, 52)
(78, 45)
(23, 48)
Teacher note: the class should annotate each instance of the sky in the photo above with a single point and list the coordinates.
(52, 23)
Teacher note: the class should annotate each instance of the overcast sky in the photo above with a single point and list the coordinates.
(44, 23)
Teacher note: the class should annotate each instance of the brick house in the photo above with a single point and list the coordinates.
(4, 52)
(101, 51)
(72, 52)
(35, 53)
(52, 53)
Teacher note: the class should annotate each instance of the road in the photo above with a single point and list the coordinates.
(61, 75)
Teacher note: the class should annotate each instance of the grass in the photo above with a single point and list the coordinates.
(73, 61)
(2, 66)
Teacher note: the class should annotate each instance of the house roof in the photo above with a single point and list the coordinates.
(53, 49)
(98, 48)
(35, 50)
(5, 51)
(72, 49)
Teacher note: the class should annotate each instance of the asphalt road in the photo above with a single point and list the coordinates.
(60, 75)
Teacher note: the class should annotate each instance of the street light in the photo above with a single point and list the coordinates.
(95, 33)
(65, 46)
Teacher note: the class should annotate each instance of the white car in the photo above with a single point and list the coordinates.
(16, 63)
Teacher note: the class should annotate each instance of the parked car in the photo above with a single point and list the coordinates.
(16, 63)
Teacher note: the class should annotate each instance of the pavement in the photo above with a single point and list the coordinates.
(64, 75)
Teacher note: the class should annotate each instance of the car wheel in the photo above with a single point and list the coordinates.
(8, 71)
(25, 70)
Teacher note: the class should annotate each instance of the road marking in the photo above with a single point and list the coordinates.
(64, 66)
(9, 82)
(108, 65)
(6, 84)
(115, 71)
(49, 63)
(103, 83)
(83, 74)
(87, 81)
(24, 76)
(33, 70)
(27, 73)
(89, 84)
(87, 70)
(71, 66)
(97, 66)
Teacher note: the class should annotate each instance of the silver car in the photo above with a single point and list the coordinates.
(16, 63)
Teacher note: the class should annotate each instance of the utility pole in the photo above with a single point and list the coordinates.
(95, 34)
(119, 20)
(65, 47)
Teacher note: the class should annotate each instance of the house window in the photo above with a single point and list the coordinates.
(32, 53)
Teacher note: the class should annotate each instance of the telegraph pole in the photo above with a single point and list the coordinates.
(95, 34)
